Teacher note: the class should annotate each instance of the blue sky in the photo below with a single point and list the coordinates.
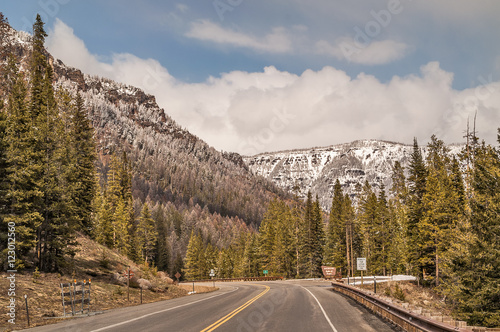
(254, 76)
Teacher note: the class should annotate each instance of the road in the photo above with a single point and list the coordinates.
(302, 305)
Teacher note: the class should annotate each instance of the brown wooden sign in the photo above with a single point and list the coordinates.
(329, 272)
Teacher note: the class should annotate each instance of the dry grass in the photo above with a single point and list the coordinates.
(92, 261)
(426, 298)
(197, 288)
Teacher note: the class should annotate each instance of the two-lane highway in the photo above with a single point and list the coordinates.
(260, 306)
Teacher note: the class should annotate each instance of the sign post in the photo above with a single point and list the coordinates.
(361, 266)
(212, 275)
(128, 274)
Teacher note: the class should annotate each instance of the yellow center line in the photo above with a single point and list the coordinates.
(234, 312)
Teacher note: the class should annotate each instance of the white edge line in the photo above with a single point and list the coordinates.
(157, 312)
(323, 310)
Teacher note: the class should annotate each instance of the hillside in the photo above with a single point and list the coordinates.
(104, 267)
(189, 185)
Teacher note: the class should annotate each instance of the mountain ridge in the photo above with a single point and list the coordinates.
(316, 169)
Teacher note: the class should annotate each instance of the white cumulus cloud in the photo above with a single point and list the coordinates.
(252, 112)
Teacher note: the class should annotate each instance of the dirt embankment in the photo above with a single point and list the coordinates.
(103, 267)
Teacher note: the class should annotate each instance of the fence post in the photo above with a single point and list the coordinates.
(27, 310)
(62, 296)
(73, 298)
(88, 310)
(375, 284)
(83, 293)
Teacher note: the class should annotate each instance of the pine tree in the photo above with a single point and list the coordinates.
(369, 220)
(311, 248)
(38, 67)
(318, 239)
(441, 210)
(474, 287)
(416, 184)
(353, 238)
(250, 260)
(193, 261)
(121, 228)
(146, 234)
(267, 237)
(284, 252)
(82, 159)
(382, 239)
(56, 234)
(103, 224)
(336, 248)
(23, 193)
(162, 253)
(399, 259)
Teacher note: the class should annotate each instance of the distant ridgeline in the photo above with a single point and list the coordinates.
(353, 164)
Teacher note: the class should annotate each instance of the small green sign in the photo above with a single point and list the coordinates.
(266, 271)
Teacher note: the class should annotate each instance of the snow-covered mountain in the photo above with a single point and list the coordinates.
(317, 169)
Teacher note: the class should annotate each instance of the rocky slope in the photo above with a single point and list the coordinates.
(170, 164)
(317, 169)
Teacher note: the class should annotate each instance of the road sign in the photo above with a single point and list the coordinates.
(328, 271)
(361, 264)
(128, 273)
(265, 272)
(212, 273)
(177, 275)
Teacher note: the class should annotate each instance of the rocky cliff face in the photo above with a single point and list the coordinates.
(317, 169)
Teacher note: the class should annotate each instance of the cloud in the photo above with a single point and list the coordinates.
(375, 53)
(277, 41)
(252, 112)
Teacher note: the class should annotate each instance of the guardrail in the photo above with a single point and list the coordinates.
(237, 279)
(403, 318)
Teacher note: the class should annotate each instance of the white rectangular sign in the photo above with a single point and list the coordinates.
(361, 264)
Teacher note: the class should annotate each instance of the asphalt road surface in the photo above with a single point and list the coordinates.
(302, 305)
